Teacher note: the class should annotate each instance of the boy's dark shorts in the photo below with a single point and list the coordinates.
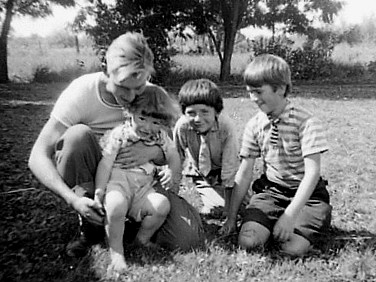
(270, 200)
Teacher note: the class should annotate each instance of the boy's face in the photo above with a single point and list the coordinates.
(201, 117)
(268, 99)
(146, 127)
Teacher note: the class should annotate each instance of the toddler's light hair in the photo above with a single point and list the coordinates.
(157, 103)
(268, 69)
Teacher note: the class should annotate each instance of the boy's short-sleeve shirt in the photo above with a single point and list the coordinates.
(222, 141)
(300, 135)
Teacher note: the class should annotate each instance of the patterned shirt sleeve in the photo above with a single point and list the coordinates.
(179, 136)
(313, 137)
(230, 160)
(250, 147)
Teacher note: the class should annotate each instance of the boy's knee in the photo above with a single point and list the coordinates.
(296, 247)
(252, 235)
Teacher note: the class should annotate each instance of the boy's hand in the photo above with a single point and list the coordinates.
(165, 177)
(202, 184)
(284, 228)
(228, 227)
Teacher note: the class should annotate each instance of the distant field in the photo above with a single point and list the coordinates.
(362, 53)
(23, 60)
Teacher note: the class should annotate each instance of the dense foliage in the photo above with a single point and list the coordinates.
(153, 19)
(221, 20)
(309, 62)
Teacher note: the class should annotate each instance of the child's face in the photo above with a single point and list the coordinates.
(267, 99)
(201, 117)
(146, 127)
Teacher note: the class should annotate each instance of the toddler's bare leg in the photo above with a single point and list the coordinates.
(116, 210)
(157, 209)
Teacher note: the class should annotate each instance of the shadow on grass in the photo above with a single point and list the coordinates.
(327, 245)
(338, 239)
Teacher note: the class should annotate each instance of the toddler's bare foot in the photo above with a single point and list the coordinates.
(117, 264)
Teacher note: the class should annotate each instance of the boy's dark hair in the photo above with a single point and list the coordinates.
(200, 91)
(268, 69)
(157, 103)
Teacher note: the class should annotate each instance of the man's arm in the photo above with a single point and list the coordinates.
(42, 165)
(243, 180)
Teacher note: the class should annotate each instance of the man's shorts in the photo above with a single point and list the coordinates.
(270, 201)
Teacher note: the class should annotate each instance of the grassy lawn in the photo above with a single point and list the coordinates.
(36, 225)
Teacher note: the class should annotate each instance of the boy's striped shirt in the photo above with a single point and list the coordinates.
(299, 134)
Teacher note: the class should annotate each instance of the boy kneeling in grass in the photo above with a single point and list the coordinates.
(205, 138)
(290, 200)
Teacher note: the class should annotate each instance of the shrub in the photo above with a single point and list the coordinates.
(44, 74)
(310, 62)
(371, 67)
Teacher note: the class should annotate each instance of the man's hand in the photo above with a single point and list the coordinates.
(284, 228)
(135, 155)
(89, 209)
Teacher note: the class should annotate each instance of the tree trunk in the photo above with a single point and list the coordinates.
(227, 56)
(4, 42)
(77, 44)
(231, 23)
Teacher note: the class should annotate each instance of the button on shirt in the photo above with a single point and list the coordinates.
(223, 145)
(300, 135)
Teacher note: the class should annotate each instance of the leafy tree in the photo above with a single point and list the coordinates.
(222, 19)
(34, 8)
(153, 18)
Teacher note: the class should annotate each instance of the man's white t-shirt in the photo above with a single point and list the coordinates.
(81, 103)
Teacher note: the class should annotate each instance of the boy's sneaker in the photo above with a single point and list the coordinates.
(78, 248)
(89, 236)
